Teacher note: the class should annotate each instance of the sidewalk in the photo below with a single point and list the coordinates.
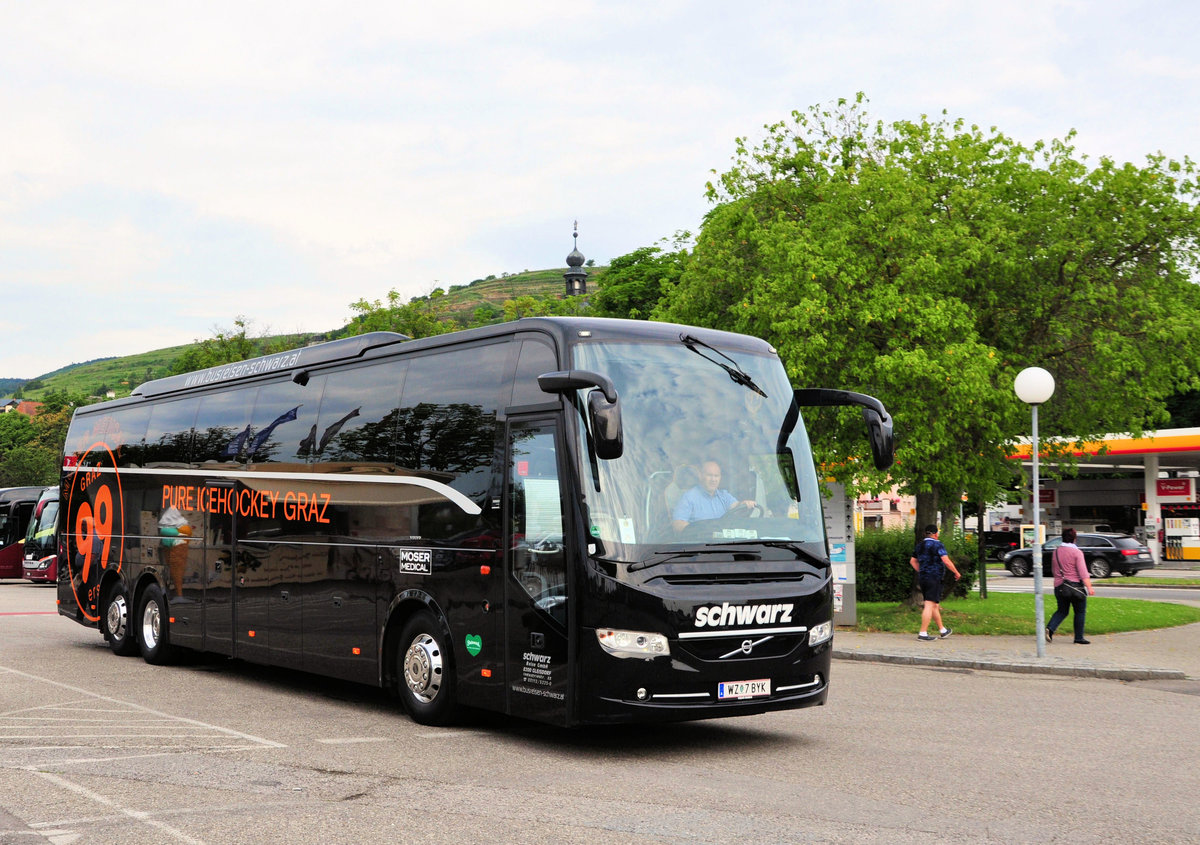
(1163, 654)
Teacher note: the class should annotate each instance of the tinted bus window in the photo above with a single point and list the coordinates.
(536, 357)
(284, 422)
(357, 422)
(223, 426)
(447, 431)
(121, 431)
(169, 433)
(129, 432)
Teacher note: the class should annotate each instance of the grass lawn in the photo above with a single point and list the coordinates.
(1013, 613)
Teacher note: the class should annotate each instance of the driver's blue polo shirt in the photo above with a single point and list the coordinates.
(697, 504)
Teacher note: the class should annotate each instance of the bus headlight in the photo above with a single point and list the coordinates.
(820, 633)
(632, 643)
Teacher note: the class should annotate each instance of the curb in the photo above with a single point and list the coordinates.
(1019, 666)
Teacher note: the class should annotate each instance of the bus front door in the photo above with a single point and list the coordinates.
(536, 576)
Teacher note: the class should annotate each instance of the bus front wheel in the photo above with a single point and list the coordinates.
(118, 628)
(426, 671)
(154, 627)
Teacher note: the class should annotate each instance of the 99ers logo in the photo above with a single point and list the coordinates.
(95, 526)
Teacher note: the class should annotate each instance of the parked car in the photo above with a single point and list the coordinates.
(996, 544)
(41, 540)
(1104, 553)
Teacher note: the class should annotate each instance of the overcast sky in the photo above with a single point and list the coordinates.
(166, 167)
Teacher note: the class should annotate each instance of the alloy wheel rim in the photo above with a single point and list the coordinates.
(423, 668)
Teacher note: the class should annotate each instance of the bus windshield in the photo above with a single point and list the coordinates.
(40, 538)
(689, 411)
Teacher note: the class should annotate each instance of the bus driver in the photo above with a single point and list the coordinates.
(707, 500)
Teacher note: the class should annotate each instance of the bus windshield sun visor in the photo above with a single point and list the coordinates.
(736, 373)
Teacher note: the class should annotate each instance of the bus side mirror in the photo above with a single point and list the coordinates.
(606, 423)
(883, 442)
(879, 422)
(604, 406)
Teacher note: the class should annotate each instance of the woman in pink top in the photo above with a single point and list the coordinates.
(1072, 586)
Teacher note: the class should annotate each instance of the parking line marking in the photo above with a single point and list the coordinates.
(350, 740)
(137, 815)
(148, 710)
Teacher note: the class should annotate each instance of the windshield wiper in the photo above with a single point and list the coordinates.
(736, 373)
(796, 547)
(667, 557)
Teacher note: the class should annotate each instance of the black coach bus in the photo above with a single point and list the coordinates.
(487, 519)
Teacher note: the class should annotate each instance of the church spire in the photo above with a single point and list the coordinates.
(576, 276)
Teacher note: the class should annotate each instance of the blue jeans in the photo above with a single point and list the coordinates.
(1065, 605)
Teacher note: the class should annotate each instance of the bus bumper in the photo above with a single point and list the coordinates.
(668, 689)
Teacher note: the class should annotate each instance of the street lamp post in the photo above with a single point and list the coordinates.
(1035, 386)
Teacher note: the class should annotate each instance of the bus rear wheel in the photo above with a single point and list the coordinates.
(154, 627)
(426, 671)
(117, 628)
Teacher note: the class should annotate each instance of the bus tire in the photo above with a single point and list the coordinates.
(117, 622)
(154, 627)
(425, 674)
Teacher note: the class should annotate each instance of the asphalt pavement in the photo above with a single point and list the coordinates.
(1161, 654)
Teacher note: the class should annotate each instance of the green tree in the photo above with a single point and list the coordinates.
(29, 465)
(1184, 409)
(635, 283)
(416, 318)
(544, 306)
(31, 449)
(15, 430)
(53, 419)
(225, 347)
(927, 262)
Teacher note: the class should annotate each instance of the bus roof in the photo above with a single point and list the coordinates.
(371, 344)
(17, 494)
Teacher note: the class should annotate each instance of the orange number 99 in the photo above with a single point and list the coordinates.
(91, 526)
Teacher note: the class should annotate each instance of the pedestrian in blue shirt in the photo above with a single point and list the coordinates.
(930, 560)
(707, 500)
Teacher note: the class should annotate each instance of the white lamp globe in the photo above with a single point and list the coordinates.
(1034, 385)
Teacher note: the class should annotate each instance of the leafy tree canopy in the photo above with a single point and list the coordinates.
(416, 318)
(15, 430)
(927, 262)
(225, 347)
(634, 283)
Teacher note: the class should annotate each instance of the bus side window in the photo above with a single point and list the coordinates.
(446, 432)
(535, 358)
(169, 433)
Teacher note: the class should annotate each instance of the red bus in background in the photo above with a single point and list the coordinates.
(16, 507)
(41, 540)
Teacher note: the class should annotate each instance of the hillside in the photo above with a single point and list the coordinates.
(121, 375)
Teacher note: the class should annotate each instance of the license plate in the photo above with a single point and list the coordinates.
(727, 690)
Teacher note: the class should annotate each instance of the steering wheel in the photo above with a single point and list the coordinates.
(743, 511)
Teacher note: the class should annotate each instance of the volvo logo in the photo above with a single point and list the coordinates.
(746, 647)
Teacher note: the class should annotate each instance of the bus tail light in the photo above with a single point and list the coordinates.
(632, 643)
